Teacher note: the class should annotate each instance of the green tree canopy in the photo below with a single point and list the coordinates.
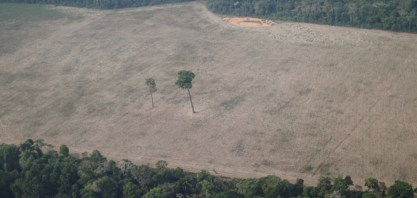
(401, 189)
(184, 79)
(151, 83)
(152, 87)
(184, 82)
(372, 184)
(63, 150)
(368, 195)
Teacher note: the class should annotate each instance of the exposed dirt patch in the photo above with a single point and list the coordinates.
(249, 21)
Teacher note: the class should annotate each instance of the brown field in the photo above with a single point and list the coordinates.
(269, 100)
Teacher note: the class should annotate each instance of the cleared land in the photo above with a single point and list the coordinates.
(248, 21)
(269, 100)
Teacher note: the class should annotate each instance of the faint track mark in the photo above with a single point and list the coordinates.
(286, 104)
(325, 144)
(357, 124)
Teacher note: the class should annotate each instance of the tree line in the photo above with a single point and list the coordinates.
(26, 171)
(393, 15)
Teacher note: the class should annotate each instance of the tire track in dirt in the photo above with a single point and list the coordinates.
(358, 123)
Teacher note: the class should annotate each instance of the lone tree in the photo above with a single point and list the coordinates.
(152, 87)
(184, 82)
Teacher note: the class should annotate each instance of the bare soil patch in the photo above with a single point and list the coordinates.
(249, 21)
(291, 99)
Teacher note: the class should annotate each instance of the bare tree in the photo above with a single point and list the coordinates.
(124, 165)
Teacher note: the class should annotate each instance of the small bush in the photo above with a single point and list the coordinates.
(307, 168)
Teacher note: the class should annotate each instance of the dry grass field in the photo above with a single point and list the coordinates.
(294, 99)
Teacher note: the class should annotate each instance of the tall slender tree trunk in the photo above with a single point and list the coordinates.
(152, 101)
(192, 106)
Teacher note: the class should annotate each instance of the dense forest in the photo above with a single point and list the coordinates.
(393, 15)
(26, 171)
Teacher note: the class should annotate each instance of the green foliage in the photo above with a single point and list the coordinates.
(401, 189)
(348, 180)
(324, 186)
(161, 164)
(273, 186)
(307, 168)
(368, 195)
(130, 190)
(184, 79)
(26, 172)
(97, 157)
(340, 184)
(184, 82)
(372, 14)
(372, 184)
(206, 186)
(150, 82)
(63, 150)
(309, 191)
(5, 181)
(249, 187)
(156, 193)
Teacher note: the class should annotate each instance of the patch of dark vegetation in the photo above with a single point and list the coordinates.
(307, 168)
(232, 103)
(93, 175)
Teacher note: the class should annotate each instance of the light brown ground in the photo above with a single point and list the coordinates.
(249, 21)
(269, 100)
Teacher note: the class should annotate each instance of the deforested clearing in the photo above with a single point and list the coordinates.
(293, 99)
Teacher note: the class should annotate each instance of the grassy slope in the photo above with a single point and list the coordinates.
(269, 100)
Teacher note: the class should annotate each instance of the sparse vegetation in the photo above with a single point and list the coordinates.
(307, 168)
